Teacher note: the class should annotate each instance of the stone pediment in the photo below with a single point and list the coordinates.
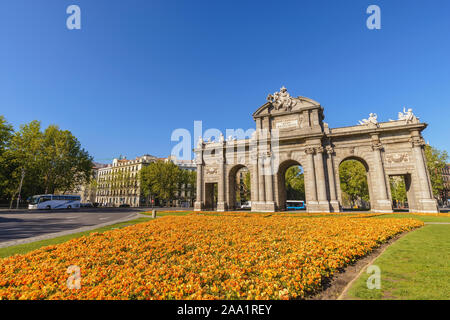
(282, 103)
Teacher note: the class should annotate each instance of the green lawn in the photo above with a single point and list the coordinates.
(424, 218)
(415, 267)
(27, 247)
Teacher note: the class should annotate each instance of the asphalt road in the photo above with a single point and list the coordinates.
(22, 225)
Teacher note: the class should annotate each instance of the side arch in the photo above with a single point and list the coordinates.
(365, 163)
(280, 182)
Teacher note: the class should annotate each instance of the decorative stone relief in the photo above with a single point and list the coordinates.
(397, 157)
(211, 171)
(241, 159)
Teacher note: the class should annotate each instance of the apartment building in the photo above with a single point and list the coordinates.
(118, 183)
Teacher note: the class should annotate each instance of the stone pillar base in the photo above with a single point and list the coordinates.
(427, 206)
(221, 206)
(263, 206)
(335, 206)
(198, 206)
(382, 206)
(318, 206)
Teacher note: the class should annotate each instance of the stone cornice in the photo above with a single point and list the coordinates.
(360, 130)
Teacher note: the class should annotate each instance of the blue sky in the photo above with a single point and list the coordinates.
(137, 70)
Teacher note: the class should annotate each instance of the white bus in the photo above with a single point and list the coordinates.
(54, 201)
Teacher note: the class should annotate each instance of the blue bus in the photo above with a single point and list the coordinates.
(295, 205)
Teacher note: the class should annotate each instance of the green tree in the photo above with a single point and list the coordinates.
(65, 164)
(398, 189)
(24, 159)
(160, 179)
(436, 161)
(44, 162)
(353, 178)
(247, 185)
(6, 133)
(295, 183)
(187, 185)
(242, 185)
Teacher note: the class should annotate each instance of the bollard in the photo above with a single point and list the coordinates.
(153, 213)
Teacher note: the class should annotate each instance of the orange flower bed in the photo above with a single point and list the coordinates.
(199, 257)
(285, 214)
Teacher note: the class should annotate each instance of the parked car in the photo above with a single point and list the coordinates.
(246, 205)
(124, 205)
(86, 205)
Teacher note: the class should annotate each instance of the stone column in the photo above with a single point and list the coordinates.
(382, 203)
(253, 154)
(334, 203)
(254, 181)
(324, 205)
(312, 194)
(262, 149)
(426, 201)
(261, 180)
(221, 183)
(268, 177)
(198, 205)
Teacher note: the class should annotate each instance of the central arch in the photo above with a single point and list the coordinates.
(282, 192)
(358, 161)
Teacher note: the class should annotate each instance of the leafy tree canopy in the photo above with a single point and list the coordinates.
(353, 178)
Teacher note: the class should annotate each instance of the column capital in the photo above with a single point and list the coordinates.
(320, 149)
(417, 141)
(264, 154)
(310, 150)
(377, 146)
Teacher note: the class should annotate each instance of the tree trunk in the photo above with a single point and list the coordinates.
(20, 188)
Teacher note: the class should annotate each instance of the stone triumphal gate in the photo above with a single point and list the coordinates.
(291, 131)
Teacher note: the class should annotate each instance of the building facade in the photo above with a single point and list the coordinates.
(118, 183)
